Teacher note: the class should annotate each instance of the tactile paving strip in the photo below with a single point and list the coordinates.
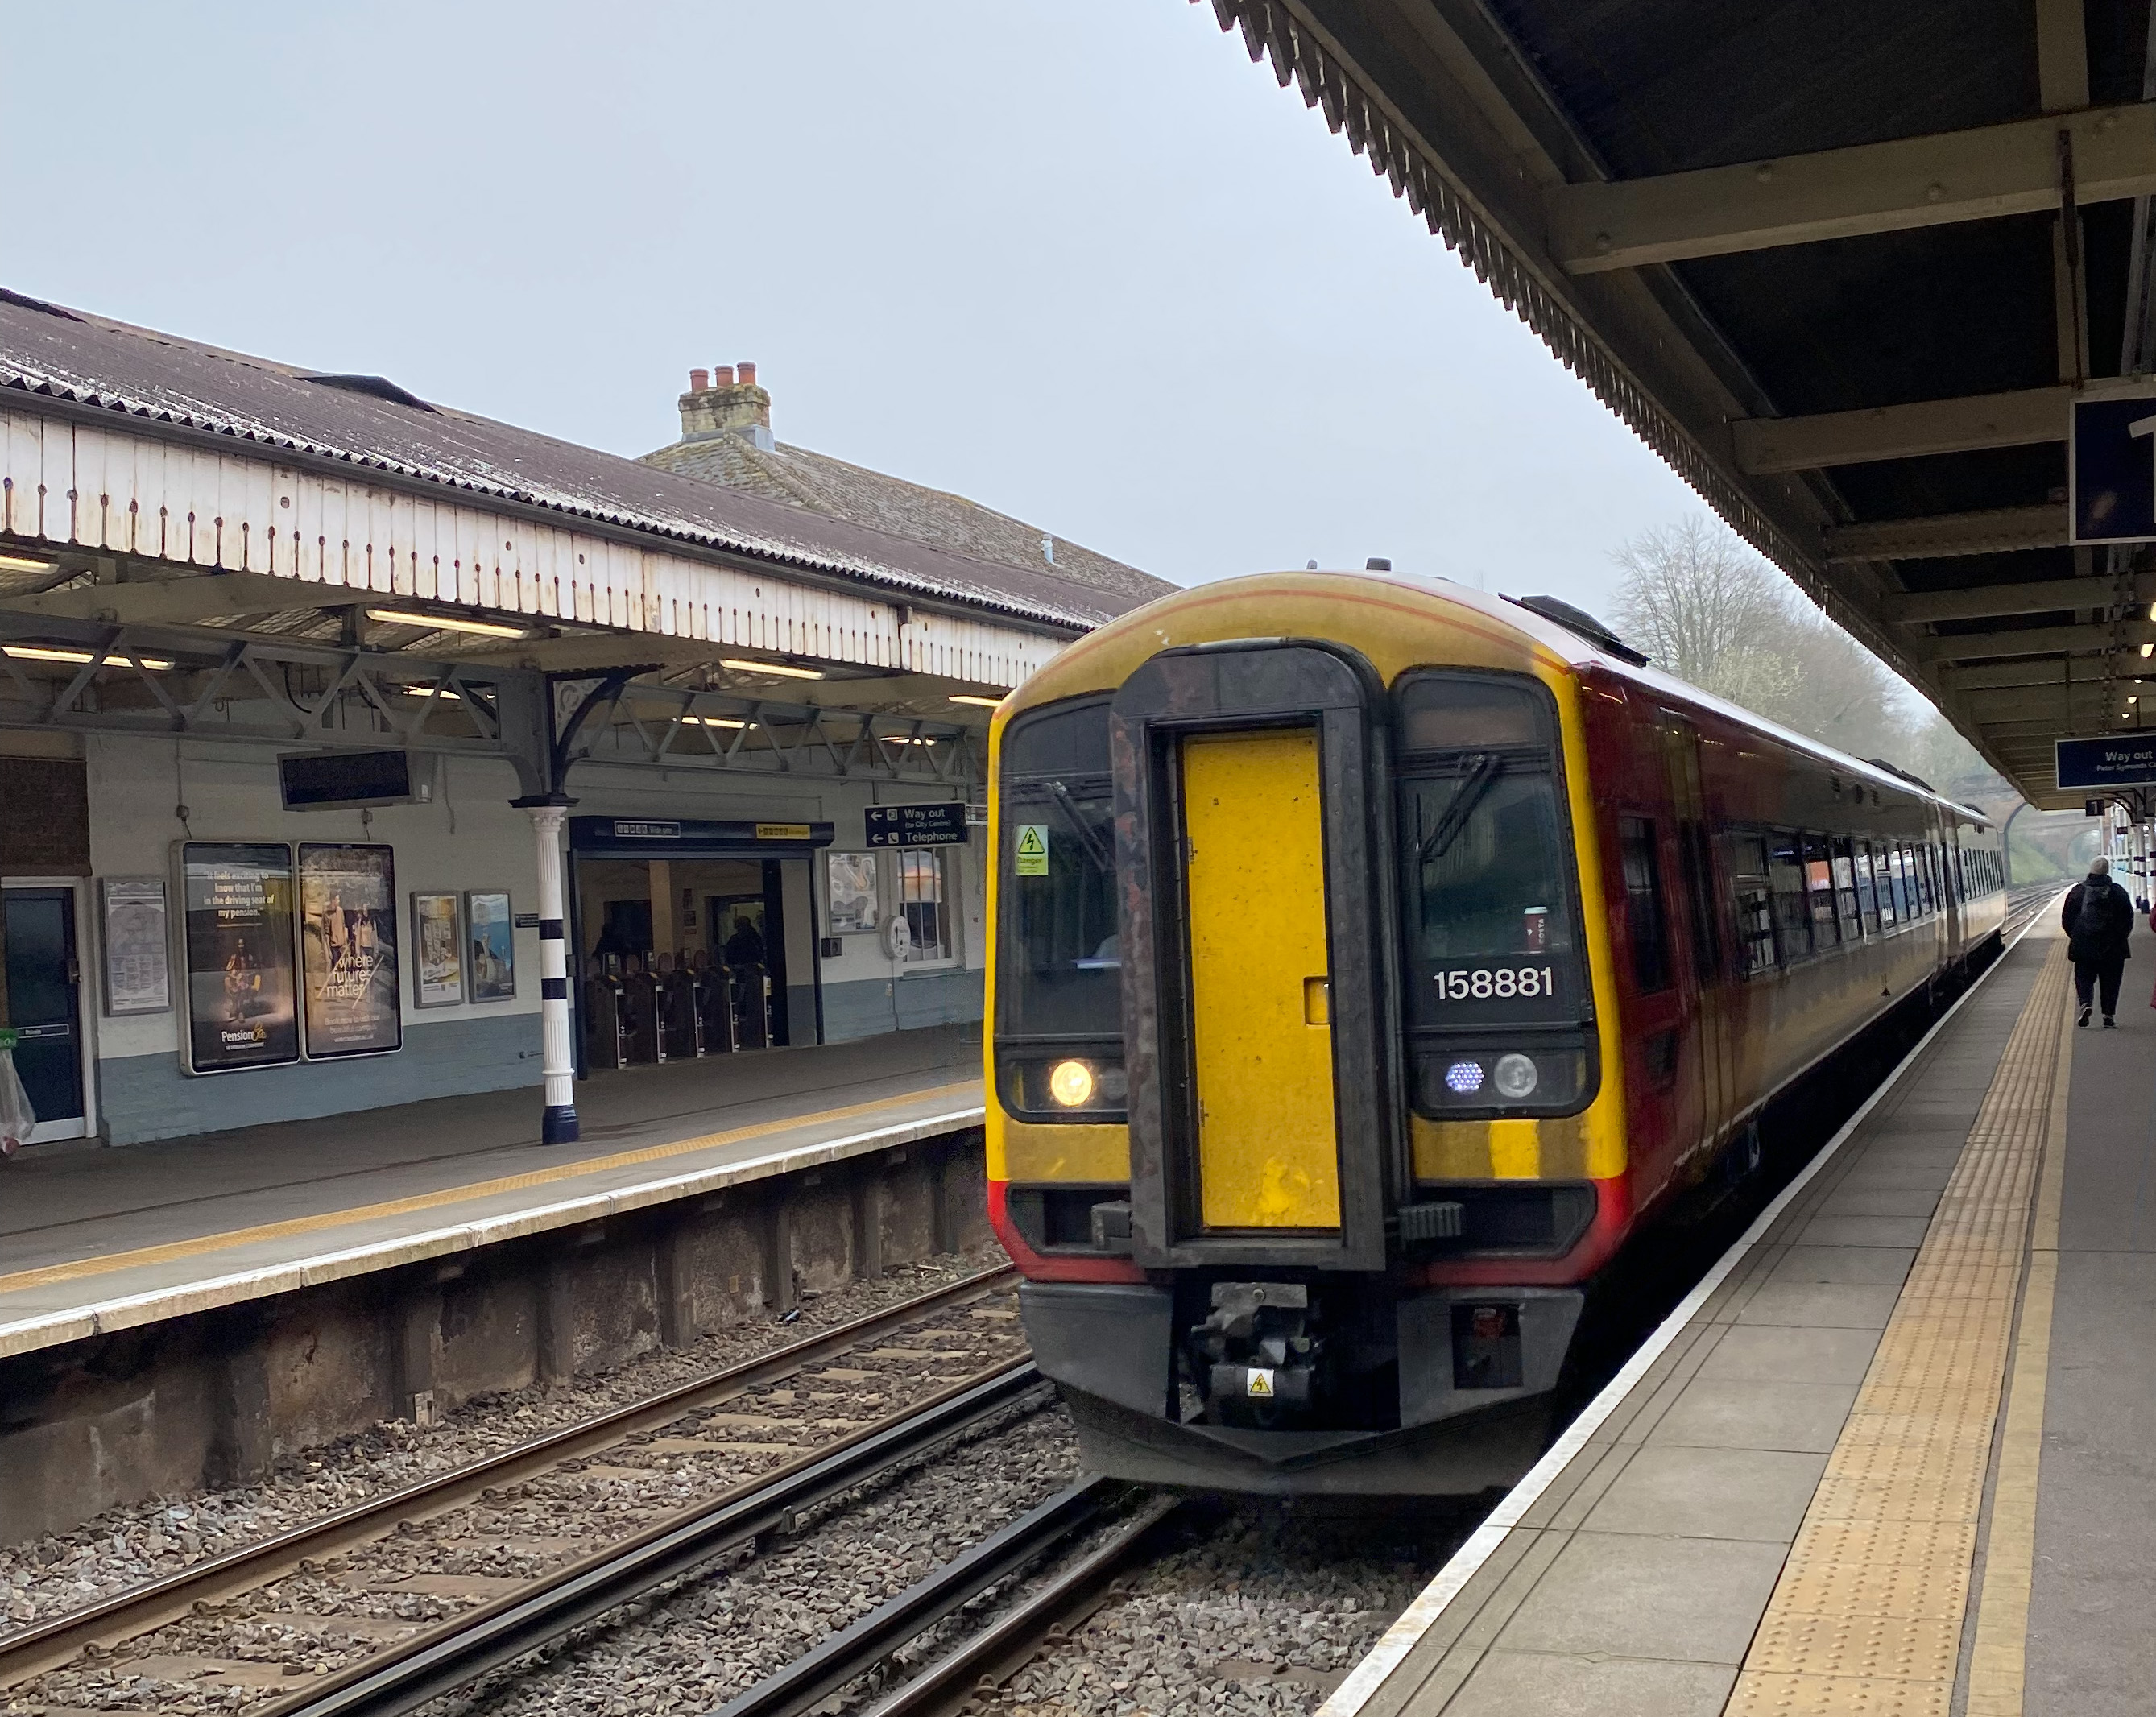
(1867, 1614)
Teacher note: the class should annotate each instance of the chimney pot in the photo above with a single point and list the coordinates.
(699, 380)
(748, 374)
(723, 376)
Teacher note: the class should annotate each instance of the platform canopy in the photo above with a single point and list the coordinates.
(1815, 256)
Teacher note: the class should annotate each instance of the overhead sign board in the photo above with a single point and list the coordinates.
(2116, 761)
(2112, 467)
(916, 825)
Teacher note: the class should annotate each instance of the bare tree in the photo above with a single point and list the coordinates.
(1709, 610)
(1695, 599)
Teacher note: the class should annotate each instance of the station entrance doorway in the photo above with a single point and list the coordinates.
(692, 938)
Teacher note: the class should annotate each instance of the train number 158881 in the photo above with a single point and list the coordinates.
(1493, 981)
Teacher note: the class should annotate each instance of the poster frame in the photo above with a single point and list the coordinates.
(111, 892)
(307, 1049)
(456, 986)
(508, 916)
(181, 963)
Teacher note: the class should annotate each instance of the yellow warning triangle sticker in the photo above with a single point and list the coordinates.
(1031, 843)
(1259, 1382)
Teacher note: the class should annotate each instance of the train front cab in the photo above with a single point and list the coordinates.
(1301, 1135)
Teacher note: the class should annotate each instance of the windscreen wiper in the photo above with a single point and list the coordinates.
(1483, 767)
(1088, 837)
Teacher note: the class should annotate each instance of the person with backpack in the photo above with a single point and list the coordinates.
(2098, 919)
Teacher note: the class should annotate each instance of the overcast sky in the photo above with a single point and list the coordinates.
(1085, 263)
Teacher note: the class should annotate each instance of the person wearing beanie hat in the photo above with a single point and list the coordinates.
(2098, 921)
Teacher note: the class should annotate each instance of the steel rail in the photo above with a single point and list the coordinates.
(846, 1656)
(48, 1644)
(404, 1677)
(1011, 1641)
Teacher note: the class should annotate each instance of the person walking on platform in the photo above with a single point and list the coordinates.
(2098, 919)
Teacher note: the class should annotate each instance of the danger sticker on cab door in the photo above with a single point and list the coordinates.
(1033, 849)
(1258, 1382)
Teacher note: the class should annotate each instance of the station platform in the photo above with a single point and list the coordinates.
(95, 1239)
(1893, 1455)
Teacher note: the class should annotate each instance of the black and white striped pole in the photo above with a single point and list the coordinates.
(557, 1058)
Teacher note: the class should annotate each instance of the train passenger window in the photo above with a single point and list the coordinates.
(1060, 975)
(1785, 876)
(1845, 888)
(1920, 873)
(1488, 894)
(1819, 888)
(1755, 902)
(1699, 895)
(1905, 894)
(1867, 902)
(1883, 872)
(1645, 922)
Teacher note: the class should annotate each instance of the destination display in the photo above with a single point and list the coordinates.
(236, 900)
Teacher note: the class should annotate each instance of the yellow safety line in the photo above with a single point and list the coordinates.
(449, 1195)
(1867, 1614)
(1999, 1658)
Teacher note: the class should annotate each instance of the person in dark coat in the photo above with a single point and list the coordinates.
(2097, 919)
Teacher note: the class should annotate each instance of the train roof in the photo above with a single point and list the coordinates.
(1580, 651)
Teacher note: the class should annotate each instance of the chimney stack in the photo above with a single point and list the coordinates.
(726, 400)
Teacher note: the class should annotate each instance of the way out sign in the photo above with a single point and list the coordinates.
(2125, 760)
(2110, 467)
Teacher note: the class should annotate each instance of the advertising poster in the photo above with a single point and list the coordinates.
(137, 947)
(348, 950)
(491, 937)
(238, 899)
(852, 884)
(437, 969)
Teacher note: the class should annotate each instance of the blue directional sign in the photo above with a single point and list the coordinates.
(2121, 761)
(2112, 468)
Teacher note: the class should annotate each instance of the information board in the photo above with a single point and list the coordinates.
(916, 825)
(2113, 760)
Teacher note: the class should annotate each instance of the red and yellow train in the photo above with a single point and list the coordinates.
(1373, 959)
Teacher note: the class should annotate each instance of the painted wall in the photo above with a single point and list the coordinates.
(469, 837)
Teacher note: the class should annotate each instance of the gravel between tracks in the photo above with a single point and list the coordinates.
(719, 1633)
(125, 1546)
(1258, 1612)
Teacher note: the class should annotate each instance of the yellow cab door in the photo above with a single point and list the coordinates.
(1259, 981)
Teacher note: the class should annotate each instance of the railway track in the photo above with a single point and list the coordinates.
(562, 1598)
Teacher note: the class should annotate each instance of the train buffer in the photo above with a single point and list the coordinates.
(1892, 1453)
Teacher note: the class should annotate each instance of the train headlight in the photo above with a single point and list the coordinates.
(1464, 1079)
(1070, 1083)
(1515, 1078)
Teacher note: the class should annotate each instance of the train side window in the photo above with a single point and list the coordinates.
(1699, 895)
(1867, 900)
(1819, 890)
(1785, 876)
(1845, 888)
(1883, 872)
(1755, 904)
(1646, 922)
(1919, 862)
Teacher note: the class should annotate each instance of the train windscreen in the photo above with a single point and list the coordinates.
(1059, 976)
(1489, 902)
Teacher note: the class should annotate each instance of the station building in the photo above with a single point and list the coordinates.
(311, 689)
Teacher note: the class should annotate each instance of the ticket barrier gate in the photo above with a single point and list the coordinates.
(658, 1012)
